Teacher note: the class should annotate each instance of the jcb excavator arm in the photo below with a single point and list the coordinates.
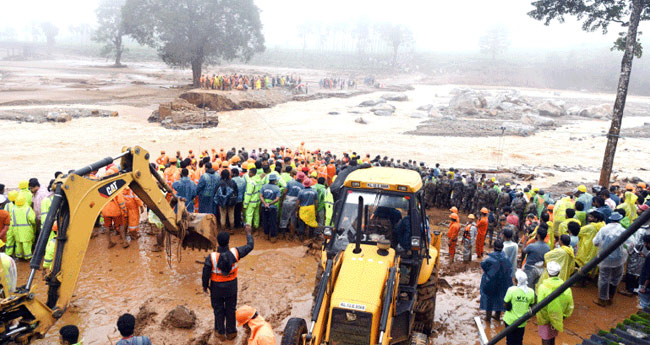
(75, 207)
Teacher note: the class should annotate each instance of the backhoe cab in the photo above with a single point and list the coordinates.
(377, 280)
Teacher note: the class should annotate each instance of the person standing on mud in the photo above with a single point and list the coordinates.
(469, 235)
(496, 279)
(220, 276)
(482, 227)
(452, 235)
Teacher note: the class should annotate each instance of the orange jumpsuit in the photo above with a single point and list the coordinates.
(114, 212)
(172, 174)
(162, 160)
(452, 235)
(261, 332)
(133, 204)
(481, 227)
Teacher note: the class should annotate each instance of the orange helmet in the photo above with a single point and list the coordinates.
(244, 314)
(453, 209)
(629, 187)
(471, 216)
(162, 152)
(551, 206)
(453, 216)
(485, 210)
(641, 185)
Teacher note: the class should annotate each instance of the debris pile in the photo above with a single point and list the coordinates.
(180, 317)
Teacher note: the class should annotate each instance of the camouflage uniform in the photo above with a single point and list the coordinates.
(470, 192)
(503, 201)
(429, 192)
(458, 189)
(492, 196)
(444, 189)
(480, 200)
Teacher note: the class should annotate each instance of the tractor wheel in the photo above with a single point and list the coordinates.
(293, 331)
(425, 306)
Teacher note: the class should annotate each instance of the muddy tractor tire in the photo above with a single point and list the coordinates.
(293, 331)
(425, 306)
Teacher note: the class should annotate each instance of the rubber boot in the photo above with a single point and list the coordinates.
(231, 336)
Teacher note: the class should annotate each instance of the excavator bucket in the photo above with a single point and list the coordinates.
(201, 232)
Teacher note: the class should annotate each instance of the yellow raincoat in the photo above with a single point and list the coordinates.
(559, 309)
(559, 213)
(564, 226)
(563, 256)
(586, 248)
(629, 205)
(308, 215)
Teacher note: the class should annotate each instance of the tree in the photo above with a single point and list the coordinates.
(598, 14)
(110, 29)
(195, 32)
(494, 42)
(396, 36)
(50, 31)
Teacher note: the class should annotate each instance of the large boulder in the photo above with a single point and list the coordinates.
(467, 102)
(574, 110)
(602, 111)
(537, 121)
(398, 97)
(180, 317)
(512, 96)
(551, 108)
(383, 110)
(372, 102)
(56, 116)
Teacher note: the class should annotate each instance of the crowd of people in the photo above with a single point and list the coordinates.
(248, 82)
(337, 83)
(538, 242)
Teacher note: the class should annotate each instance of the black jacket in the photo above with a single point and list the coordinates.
(242, 250)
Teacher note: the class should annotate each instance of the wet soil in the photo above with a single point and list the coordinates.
(277, 279)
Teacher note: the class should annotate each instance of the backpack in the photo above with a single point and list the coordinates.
(225, 196)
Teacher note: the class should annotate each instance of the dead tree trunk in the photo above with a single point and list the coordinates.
(621, 94)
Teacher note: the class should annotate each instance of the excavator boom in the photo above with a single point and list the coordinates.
(76, 204)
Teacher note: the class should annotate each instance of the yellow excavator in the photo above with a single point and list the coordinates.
(75, 207)
(377, 279)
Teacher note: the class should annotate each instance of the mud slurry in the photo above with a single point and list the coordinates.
(277, 279)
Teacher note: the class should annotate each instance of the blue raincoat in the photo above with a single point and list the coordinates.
(496, 279)
(207, 186)
(186, 188)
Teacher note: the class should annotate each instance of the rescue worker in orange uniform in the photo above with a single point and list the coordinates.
(133, 205)
(115, 214)
(452, 235)
(260, 332)
(172, 173)
(220, 276)
(481, 226)
(163, 159)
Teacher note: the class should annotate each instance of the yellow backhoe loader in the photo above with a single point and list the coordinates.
(76, 205)
(377, 279)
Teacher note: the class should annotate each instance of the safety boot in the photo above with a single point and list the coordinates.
(231, 336)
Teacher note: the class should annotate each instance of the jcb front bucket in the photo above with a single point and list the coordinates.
(202, 232)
